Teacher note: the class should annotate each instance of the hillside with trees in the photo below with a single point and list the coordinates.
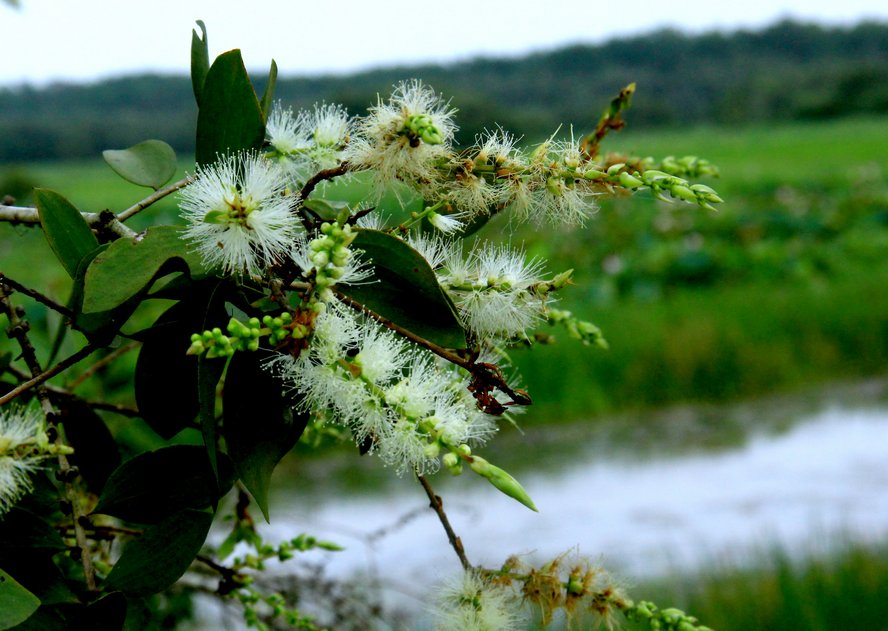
(788, 71)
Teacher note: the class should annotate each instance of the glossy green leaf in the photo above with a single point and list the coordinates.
(230, 118)
(95, 450)
(408, 293)
(260, 423)
(153, 485)
(268, 95)
(44, 619)
(67, 232)
(128, 267)
(200, 60)
(99, 327)
(164, 369)
(150, 163)
(161, 555)
(17, 604)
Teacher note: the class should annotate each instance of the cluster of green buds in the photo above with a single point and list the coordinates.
(498, 477)
(422, 127)
(330, 256)
(581, 330)
(661, 182)
(276, 606)
(670, 619)
(687, 166)
(544, 288)
(284, 551)
(245, 336)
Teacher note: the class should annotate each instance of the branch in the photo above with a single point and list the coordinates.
(438, 506)
(30, 216)
(154, 197)
(18, 329)
(40, 377)
(45, 301)
(102, 363)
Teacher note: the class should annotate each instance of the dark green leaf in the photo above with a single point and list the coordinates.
(166, 379)
(268, 95)
(260, 425)
(95, 450)
(327, 209)
(66, 230)
(161, 555)
(128, 267)
(156, 484)
(408, 293)
(150, 163)
(208, 373)
(200, 60)
(230, 118)
(44, 619)
(17, 604)
(108, 613)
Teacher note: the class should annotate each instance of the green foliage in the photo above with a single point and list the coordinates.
(161, 554)
(67, 232)
(16, 603)
(129, 266)
(150, 163)
(154, 485)
(230, 117)
(407, 291)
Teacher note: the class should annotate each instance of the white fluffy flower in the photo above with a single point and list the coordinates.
(472, 603)
(310, 140)
(404, 137)
(238, 216)
(20, 432)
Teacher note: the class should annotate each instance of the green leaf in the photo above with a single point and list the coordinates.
(44, 619)
(95, 450)
(17, 604)
(150, 163)
(153, 485)
(208, 373)
(408, 293)
(66, 230)
(230, 118)
(327, 209)
(200, 60)
(23, 530)
(99, 327)
(268, 95)
(129, 266)
(161, 555)
(163, 366)
(260, 426)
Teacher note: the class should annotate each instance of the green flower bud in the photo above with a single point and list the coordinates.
(630, 181)
(502, 480)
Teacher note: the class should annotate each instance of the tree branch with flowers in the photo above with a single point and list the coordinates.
(296, 311)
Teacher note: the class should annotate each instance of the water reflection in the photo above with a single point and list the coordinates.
(644, 508)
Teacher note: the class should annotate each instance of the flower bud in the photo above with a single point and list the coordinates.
(502, 480)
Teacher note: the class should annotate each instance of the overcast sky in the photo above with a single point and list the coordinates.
(48, 40)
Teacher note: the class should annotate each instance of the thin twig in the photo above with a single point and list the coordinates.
(18, 329)
(62, 393)
(102, 363)
(440, 351)
(66, 363)
(320, 176)
(36, 295)
(154, 197)
(438, 506)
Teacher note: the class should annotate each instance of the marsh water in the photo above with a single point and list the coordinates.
(646, 494)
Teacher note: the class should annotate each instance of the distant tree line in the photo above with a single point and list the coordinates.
(788, 71)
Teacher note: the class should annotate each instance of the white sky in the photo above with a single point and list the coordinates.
(48, 40)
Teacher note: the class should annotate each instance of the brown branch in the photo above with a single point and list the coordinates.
(66, 363)
(36, 295)
(102, 363)
(438, 506)
(154, 197)
(62, 393)
(321, 176)
(18, 329)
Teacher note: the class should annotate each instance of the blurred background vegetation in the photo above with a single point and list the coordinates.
(782, 289)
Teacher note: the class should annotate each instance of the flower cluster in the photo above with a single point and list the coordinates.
(396, 399)
(308, 141)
